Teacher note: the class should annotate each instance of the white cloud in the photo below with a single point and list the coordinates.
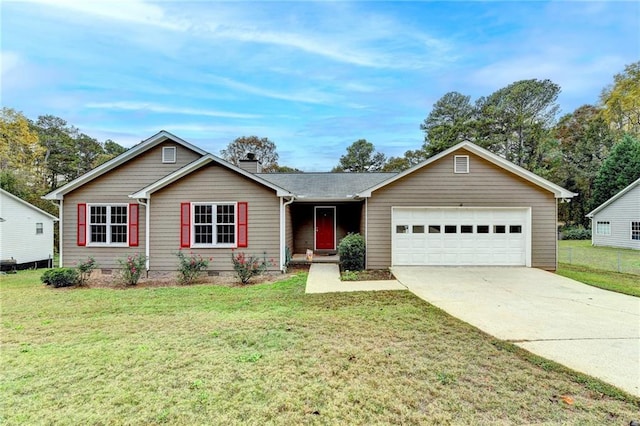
(145, 106)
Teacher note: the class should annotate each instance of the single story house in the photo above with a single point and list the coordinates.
(616, 222)
(464, 206)
(26, 233)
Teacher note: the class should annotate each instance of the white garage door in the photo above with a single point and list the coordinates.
(461, 236)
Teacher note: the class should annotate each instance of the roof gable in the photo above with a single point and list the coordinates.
(126, 156)
(558, 191)
(614, 198)
(26, 204)
(197, 164)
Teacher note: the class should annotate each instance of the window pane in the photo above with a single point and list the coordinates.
(225, 214)
(434, 229)
(635, 230)
(450, 229)
(603, 228)
(203, 214)
(515, 229)
(98, 234)
(39, 228)
(482, 229)
(466, 229)
(226, 234)
(499, 229)
(118, 233)
(418, 229)
(402, 229)
(119, 215)
(203, 234)
(98, 214)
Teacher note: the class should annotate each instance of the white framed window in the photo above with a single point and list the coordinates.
(213, 224)
(635, 230)
(603, 227)
(460, 164)
(108, 224)
(39, 228)
(169, 154)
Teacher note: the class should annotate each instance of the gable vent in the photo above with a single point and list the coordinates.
(169, 154)
(461, 164)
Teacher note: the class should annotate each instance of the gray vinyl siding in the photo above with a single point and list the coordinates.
(486, 185)
(214, 183)
(115, 187)
(620, 213)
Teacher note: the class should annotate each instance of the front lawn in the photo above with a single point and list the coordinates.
(613, 281)
(270, 354)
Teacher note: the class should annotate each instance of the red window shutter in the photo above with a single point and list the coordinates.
(133, 225)
(82, 225)
(243, 219)
(185, 224)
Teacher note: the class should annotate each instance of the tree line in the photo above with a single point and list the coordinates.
(593, 151)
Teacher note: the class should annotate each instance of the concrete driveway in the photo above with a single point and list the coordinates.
(584, 328)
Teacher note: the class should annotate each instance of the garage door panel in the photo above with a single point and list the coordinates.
(483, 236)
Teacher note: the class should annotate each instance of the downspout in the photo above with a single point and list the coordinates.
(366, 232)
(147, 206)
(283, 233)
(60, 213)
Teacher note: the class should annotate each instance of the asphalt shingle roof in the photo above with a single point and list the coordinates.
(325, 186)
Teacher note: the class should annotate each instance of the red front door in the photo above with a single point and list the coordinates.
(325, 228)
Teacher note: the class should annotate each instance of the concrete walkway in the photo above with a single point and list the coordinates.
(325, 278)
(587, 329)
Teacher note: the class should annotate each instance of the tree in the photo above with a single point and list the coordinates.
(618, 171)
(110, 150)
(410, 159)
(361, 157)
(20, 151)
(449, 122)
(584, 141)
(514, 119)
(56, 136)
(621, 101)
(263, 148)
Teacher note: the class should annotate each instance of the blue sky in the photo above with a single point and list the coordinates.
(311, 76)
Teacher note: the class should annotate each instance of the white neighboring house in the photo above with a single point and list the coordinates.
(26, 232)
(616, 223)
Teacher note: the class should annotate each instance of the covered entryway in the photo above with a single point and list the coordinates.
(451, 236)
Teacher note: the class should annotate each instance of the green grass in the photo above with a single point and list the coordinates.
(613, 281)
(270, 354)
(582, 253)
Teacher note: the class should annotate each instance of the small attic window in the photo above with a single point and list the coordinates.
(461, 164)
(169, 154)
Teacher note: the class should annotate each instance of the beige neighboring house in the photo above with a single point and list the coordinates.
(464, 206)
(26, 233)
(616, 222)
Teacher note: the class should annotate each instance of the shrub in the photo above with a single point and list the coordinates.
(190, 267)
(85, 268)
(576, 233)
(352, 250)
(60, 277)
(349, 276)
(131, 268)
(248, 267)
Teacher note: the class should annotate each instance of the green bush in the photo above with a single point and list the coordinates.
(352, 250)
(191, 267)
(61, 277)
(248, 267)
(85, 268)
(576, 233)
(131, 268)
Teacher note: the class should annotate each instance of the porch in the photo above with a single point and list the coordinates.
(301, 258)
